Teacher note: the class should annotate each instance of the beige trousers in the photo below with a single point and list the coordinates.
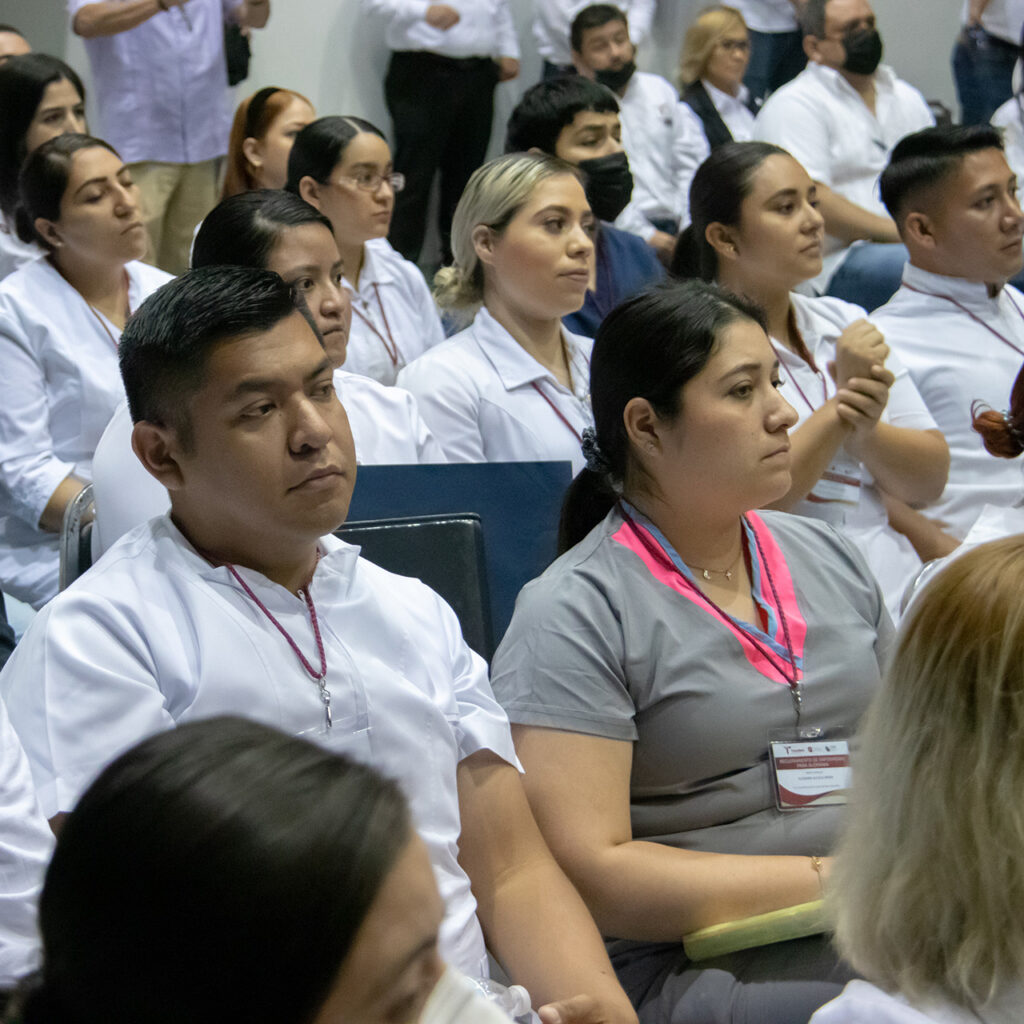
(175, 198)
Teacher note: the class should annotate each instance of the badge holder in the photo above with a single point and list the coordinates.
(810, 767)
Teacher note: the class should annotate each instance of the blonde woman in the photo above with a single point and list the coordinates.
(929, 880)
(513, 385)
(716, 52)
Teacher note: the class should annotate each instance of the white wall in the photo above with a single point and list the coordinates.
(328, 50)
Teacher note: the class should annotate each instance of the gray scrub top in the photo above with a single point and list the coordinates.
(598, 645)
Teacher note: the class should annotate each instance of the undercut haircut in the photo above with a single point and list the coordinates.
(594, 16)
(548, 107)
(924, 159)
(167, 343)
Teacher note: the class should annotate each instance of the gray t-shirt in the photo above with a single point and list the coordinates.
(598, 645)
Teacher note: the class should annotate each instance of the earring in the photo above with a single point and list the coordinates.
(650, 447)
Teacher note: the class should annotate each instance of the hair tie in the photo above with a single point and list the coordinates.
(255, 109)
(1015, 432)
(596, 461)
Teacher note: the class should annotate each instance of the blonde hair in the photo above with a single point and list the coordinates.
(929, 880)
(706, 31)
(493, 196)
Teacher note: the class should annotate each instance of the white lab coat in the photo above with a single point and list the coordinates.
(59, 387)
(488, 400)
(14, 252)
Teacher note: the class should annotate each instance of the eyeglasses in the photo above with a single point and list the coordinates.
(371, 181)
(735, 45)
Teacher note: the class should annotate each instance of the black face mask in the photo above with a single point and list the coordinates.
(616, 79)
(609, 184)
(863, 51)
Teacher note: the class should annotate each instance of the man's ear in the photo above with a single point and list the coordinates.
(309, 189)
(918, 230)
(159, 450)
(483, 243)
(811, 44)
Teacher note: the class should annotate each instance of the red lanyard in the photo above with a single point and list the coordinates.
(319, 677)
(389, 343)
(796, 383)
(656, 551)
(977, 319)
(558, 412)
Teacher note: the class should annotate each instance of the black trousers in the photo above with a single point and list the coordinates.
(441, 112)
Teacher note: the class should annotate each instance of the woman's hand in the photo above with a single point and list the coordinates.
(858, 349)
(583, 1010)
(861, 402)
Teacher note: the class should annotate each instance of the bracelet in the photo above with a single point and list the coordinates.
(817, 865)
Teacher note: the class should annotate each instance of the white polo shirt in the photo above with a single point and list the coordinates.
(484, 29)
(664, 147)
(889, 554)
(488, 400)
(1001, 18)
(955, 361)
(59, 386)
(553, 20)
(386, 427)
(823, 122)
(394, 318)
(1010, 118)
(153, 635)
(26, 843)
(767, 15)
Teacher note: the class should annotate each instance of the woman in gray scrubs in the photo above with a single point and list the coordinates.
(649, 668)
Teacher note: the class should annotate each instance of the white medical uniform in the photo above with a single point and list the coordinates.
(153, 635)
(14, 252)
(955, 361)
(386, 427)
(26, 843)
(59, 386)
(488, 400)
(391, 308)
(664, 147)
(552, 24)
(889, 554)
(863, 1003)
(822, 120)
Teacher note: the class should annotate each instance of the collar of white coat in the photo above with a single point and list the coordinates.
(379, 266)
(337, 560)
(56, 280)
(972, 294)
(517, 368)
(722, 100)
(885, 78)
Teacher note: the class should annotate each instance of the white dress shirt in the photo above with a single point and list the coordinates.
(665, 149)
(386, 427)
(1001, 18)
(767, 15)
(59, 387)
(484, 29)
(26, 843)
(889, 554)
(863, 1003)
(488, 400)
(553, 20)
(153, 635)
(955, 361)
(1010, 118)
(391, 309)
(14, 252)
(820, 118)
(162, 87)
(733, 110)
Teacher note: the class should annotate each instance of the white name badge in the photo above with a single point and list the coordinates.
(810, 773)
(840, 482)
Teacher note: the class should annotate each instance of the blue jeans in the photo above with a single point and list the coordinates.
(775, 58)
(983, 72)
(870, 274)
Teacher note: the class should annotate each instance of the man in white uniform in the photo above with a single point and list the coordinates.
(241, 601)
(553, 20)
(840, 118)
(664, 144)
(955, 323)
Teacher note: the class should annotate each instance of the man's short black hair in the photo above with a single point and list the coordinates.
(594, 16)
(925, 158)
(550, 106)
(166, 344)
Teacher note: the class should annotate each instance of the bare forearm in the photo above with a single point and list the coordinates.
(657, 893)
(253, 13)
(926, 536)
(850, 222)
(52, 518)
(813, 446)
(912, 465)
(107, 18)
